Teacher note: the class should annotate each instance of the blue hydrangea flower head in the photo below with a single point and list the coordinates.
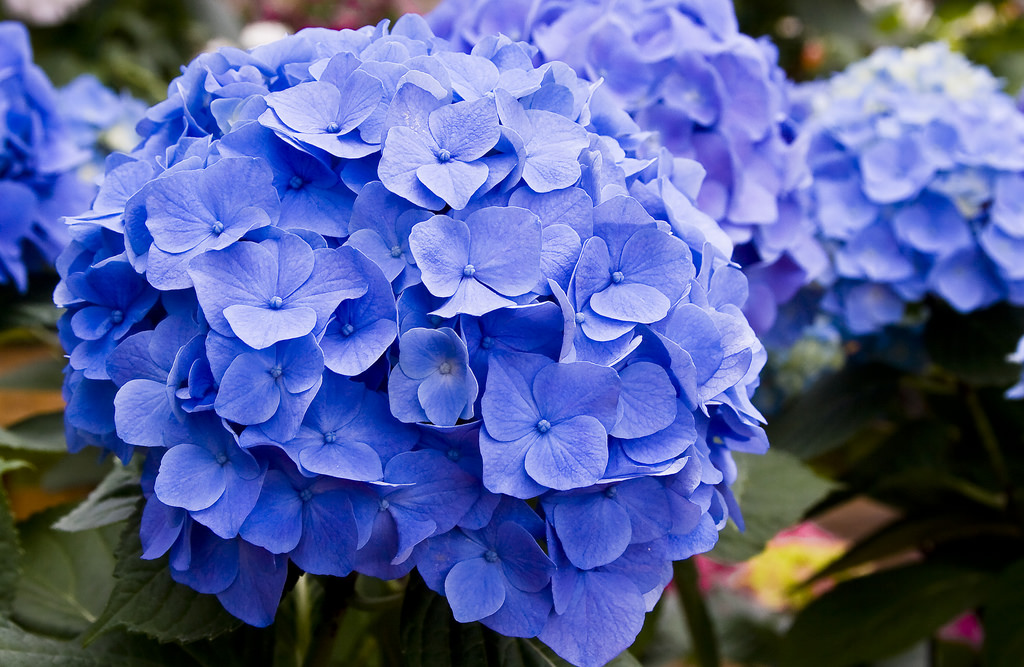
(684, 72)
(50, 149)
(366, 304)
(917, 159)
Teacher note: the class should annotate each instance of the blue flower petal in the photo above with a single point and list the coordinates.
(475, 588)
(593, 528)
(571, 455)
(275, 522)
(190, 477)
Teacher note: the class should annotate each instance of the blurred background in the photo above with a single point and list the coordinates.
(138, 45)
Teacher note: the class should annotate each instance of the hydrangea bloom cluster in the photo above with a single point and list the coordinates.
(918, 189)
(100, 120)
(39, 156)
(369, 304)
(708, 92)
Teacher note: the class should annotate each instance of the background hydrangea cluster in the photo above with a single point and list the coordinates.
(370, 304)
(708, 92)
(40, 152)
(918, 185)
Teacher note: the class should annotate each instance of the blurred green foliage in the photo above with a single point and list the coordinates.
(134, 45)
(817, 37)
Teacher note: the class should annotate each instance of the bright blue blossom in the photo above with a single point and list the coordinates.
(433, 381)
(685, 72)
(434, 159)
(470, 262)
(917, 159)
(366, 305)
(276, 290)
(546, 424)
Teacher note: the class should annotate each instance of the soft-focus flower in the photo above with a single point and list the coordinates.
(43, 12)
(706, 91)
(43, 144)
(367, 304)
(917, 159)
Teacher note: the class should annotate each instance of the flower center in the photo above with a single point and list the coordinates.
(296, 183)
(275, 303)
(217, 227)
(580, 318)
(347, 330)
(611, 492)
(444, 155)
(333, 128)
(445, 368)
(454, 454)
(330, 437)
(116, 316)
(469, 271)
(396, 252)
(276, 372)
(222, 458)
(543, 426)
(435, 320)
(383, 505)
(487, 342)
(617, 277)
(306, 495)
(491, 556)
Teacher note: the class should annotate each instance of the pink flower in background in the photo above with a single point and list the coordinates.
(964, 629)
(331, 14)
(773, 577)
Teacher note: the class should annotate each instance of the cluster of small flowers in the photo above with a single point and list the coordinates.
(39, 157)
(370, 304)
(100, 121)
(917, 159)
(706, 91)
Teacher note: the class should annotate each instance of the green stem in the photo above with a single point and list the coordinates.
(990, 442)
(337, 596)
(988, 438)
(698, 621)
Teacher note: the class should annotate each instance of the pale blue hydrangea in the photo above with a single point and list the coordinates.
(917, 159)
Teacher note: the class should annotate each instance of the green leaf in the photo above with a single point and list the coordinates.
(41, 433)
(10, 546)
(880, 614)
(975, 347)
(82, 469)
(66, 578)
(912, 533)
(774, 492)
(113, 500)
(426, 627)
(19, 648)
(37, 375)
(145, 599)
(834, 410)
(1003, 619)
